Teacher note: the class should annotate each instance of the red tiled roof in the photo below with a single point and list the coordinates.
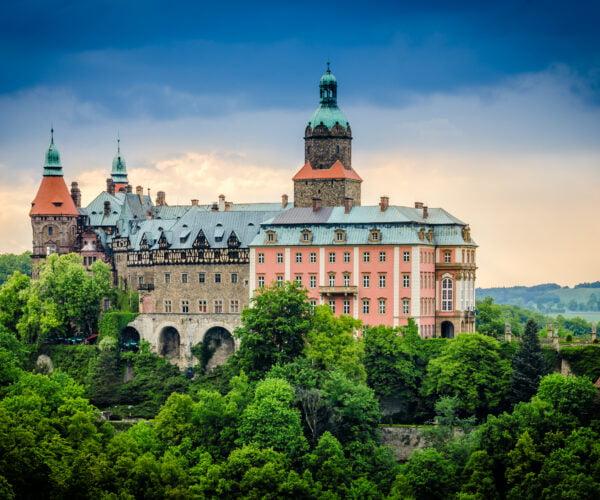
(53, 198)
(337, 171)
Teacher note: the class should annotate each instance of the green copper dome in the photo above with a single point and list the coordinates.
(119, 167)
(52, 166)
(328, 113)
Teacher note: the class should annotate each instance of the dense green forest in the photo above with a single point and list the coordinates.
(10, 263)
(549, 298)
(295, 413)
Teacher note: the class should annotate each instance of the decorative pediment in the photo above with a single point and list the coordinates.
(201, 241)
(233, 241)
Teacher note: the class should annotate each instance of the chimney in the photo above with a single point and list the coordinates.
(161, 199)
(284, 200)
(316, 204)
(194, 203)
(222, 202)
(425, 212)
(110, 186)
(384, 202)
(107, 208)
(76, 194)
(347, 205)
(139, 190)
(418, 204)
(215, 207)
(129, 189)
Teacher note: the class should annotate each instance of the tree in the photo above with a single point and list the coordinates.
(270, 421)
(470, 368)
(66, 300)
(274, 328)
(489, 318)
(13, 300)
(575, 396)
(332, 343)
(9, 263)
(355, 409)
(528, 365)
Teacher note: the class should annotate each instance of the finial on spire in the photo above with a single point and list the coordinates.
(328, 70)
(51, 133)
(118, 144)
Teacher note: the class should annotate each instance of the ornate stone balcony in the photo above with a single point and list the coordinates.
(338, 290)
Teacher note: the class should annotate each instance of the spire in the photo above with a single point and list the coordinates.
(328, 113)
(52, 165)
(119, 167)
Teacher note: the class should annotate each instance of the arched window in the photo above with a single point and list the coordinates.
(447, 294)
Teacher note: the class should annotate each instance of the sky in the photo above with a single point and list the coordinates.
(490, 110)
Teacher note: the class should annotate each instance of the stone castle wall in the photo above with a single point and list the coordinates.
(331, 192)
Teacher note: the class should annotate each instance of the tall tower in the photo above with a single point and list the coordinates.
(327, 173)
(53, 212)
(119, 170)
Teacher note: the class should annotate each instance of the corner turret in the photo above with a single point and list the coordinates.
(119, 170)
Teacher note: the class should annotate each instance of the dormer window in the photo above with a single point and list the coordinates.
(270, 237)
(374, 235)
(305, 236)
(340, 236)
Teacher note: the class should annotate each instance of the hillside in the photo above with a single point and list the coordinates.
(548, 298)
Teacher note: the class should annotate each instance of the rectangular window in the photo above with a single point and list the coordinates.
(332, 257)
(312, 282)
(167, 306)
(367, 257)
(346, 257)
(234, 277)
(339, 236)
(366, 281)
(346, 280)
(298, 257)
(382, 281)
(332, 280)
(261, 258)
(167, 277)
(346, 304)
(185, 306)
(381, 306)
(382, 256)
(184, 277)
(140, 280)
(332, 305)
(217, 277)
(313, 304)
(202, 306)
(406, 280)
(261, 281)
(299, 280)
(201, 277)
(279, 280)
(406, 256)
(234, 306)
(313, 257)
(447, 257)
(365, 306)
(218, 306)
(279, 258)
(405, 306)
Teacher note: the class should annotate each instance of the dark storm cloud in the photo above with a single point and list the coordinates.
(165, 59)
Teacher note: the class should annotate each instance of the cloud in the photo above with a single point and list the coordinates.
(519, 162)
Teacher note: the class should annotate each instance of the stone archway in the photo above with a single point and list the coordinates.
(217, 346)
(447, 330)
(169, 342)
(129, 338)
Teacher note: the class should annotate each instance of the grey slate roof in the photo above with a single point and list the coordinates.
(398, 226)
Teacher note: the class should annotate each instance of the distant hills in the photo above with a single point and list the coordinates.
(548, 298)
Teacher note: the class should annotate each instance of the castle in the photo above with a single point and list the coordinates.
(197, 266)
